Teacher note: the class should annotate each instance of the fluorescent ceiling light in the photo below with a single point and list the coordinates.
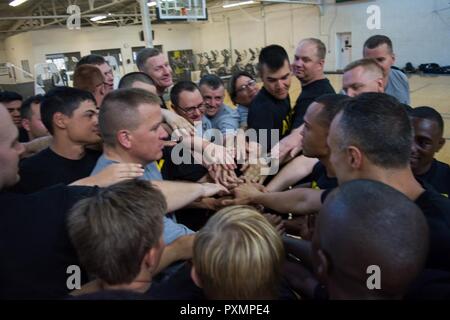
(151, 3)
(230, 5)
(98, 18)
(16, 3)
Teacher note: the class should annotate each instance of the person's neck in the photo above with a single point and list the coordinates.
(141, 284)
(401, 179)
(386, 78)
(120, 155)
(320, 76)
(423, 170)
(325, 160)
(160, 91)
(66, 148)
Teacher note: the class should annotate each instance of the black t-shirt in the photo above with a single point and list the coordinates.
(309, 93)
(438, 177)
(436, 209)
(430, 285)
(23, 135)
(48, 168)
(35, 249)
(267, 112)
(180, 286)
(318, 178)
(188, 172)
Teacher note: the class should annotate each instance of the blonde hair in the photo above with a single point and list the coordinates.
(367, 64)
(238, 255)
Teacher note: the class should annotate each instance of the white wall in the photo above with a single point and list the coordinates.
(87, 39)
(2, 52)
(18, 48)
(419, 34)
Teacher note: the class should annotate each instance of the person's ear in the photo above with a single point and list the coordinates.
(195, 277)
(322, 63)
(393, 58)
(354, 157)
(59, 120)
(322, 267)
(124, 138)
(441, 143)
(153, 258)
(26, 124)
(380, 83)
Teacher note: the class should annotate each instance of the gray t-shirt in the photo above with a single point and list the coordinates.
(227, 119)
(398, 86)
(172, 230)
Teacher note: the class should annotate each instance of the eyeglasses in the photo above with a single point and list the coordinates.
(249, 84)
(191, 110)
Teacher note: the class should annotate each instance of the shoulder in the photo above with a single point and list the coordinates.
(398, 75)
(442, 166)
(43, 155)
(102, 162)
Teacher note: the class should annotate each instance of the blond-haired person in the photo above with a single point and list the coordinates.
(238, 255)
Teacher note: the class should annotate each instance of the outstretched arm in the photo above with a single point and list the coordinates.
(180, 194)
(297, 169)
(295, 201)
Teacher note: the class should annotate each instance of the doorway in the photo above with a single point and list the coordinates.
(343, 50)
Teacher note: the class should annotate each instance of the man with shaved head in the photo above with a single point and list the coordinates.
(395, 82)
(391, 233)
(361, 76)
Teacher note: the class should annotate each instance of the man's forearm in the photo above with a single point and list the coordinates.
(296, 201)
(179, 194)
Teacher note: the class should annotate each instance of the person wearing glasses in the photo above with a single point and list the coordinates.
(222, 117)
(89, 78)
(188, 102)
(104, 67)
(242, 89)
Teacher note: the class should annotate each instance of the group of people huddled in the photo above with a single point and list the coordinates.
(91, 177)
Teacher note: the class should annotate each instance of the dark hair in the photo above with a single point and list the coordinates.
(428, 113)
(378, 40)
(25, 109)
(119, 110)
(378, 125)
(91, 59)
(9, 96)
(212, 81)
(232, 84)
(390, 229)
(132, 77)
(273, 57)
(143, 56)
(113, 230)
(333, 103)
(179, 88)
(64, 100)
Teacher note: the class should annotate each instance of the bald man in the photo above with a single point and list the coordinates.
(392, 235)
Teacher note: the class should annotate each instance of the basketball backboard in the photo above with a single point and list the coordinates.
(181, 10)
